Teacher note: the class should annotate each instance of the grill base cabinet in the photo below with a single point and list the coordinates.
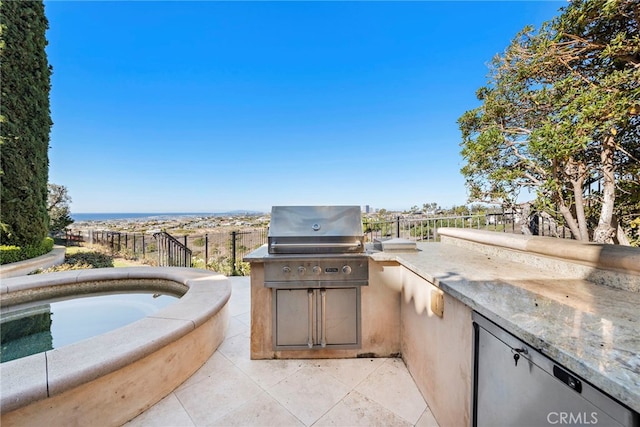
(535, 391)
(310, 293)
(316, 318)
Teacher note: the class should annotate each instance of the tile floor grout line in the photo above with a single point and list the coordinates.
(247, 401)
(265, 389)
(332, 407)
(389, 361)
(185, 409)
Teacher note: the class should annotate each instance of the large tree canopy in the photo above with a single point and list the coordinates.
(25, 123)
(560, 117)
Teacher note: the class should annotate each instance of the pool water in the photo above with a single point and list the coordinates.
(40, 326)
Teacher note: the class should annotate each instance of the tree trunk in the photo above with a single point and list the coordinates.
(569, 219)
(605, 231)
(574, 172)
(579, 203)
(621, 237)
(524, 225)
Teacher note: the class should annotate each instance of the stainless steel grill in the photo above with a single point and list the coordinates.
(316, 266)
(316, 246)
(315, 230)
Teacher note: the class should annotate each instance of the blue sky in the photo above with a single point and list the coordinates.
(214, 106)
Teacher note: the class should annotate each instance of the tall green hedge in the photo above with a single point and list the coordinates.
(25, 123)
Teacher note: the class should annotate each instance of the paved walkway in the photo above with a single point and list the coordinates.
(232, 390)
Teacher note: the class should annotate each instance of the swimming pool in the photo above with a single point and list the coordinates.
(38, 326)
(110, 378)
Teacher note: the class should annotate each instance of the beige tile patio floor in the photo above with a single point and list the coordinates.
(232, 390)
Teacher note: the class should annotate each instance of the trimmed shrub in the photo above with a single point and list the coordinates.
(82, 261)
(9, 254)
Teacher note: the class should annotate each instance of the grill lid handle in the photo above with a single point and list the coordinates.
(356, 244)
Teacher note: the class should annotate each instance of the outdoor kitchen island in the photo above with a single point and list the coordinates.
(577, 304)
(310, 291)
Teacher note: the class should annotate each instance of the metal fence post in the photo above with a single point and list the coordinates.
(233, 253)
(206, 249)
(398, 226)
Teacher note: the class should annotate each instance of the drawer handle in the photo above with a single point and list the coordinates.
(311, 316)
(323, 299)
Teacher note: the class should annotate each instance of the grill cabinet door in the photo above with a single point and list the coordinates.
(341, 326)
(316, 318)
(292, 317)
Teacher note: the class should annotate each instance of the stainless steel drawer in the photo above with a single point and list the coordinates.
(515, 385)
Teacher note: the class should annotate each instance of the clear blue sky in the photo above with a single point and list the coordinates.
(213, 106)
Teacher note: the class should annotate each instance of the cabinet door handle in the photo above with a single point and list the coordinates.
(311, 317)
(323, 306)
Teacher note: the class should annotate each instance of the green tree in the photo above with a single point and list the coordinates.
(25, 123)
(58, 208)
(430, 207)
(559, 115)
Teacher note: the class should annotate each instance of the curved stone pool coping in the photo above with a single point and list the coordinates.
(111, 378)
(22, 268)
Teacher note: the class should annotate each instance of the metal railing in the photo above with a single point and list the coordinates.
(418, 229)
(425, 229)
(219, 251)
(171, 253)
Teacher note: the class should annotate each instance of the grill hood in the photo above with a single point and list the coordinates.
(315, 230)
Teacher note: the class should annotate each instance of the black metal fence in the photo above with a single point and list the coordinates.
(425, 228)
(221, 252)
(172, 253)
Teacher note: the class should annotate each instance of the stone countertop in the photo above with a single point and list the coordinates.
(591, 329)
(257, 255)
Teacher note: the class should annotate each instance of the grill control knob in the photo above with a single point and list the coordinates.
(346, 269)
(301, 270)
(317, 270)
(286, 269)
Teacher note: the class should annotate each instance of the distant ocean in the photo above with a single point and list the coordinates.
(78, 217)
